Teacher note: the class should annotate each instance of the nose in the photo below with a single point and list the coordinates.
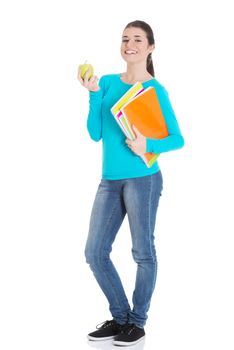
(130, 44)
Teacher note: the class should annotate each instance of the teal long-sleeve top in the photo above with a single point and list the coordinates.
(118, 161)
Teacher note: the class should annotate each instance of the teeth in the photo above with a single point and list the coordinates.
(130, 52)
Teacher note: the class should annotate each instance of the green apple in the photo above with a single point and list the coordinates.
(84, 68)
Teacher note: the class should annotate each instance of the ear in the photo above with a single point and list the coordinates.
(152, 47)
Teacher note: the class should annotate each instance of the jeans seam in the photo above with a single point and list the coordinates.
(149, 223)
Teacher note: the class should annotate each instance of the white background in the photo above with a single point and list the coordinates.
(50, 170)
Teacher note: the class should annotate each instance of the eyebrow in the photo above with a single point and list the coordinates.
(136, 36)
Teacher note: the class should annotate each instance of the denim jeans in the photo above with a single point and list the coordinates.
(138, 198)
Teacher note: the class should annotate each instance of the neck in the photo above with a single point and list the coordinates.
(136, 72)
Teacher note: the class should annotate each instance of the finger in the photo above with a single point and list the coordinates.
(86, 79)
(95, 78)
(129, 142)
(136, 131)
(92, 80)
(79, 72)
(80, 79)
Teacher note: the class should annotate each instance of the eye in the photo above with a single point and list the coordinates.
(139, 41)
(124, 40)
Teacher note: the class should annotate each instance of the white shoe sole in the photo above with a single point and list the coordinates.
(100, 339)
(123, 343)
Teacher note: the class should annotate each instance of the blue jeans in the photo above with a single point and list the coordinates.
(138, 197)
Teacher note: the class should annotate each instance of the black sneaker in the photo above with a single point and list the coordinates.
(130, 335)
(106, 330)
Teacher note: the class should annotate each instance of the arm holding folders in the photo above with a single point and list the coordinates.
(144, 112)
(149, 158)
(174, 140)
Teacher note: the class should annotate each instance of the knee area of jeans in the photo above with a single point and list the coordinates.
(144, 259)
(90, 258)
(94, 259)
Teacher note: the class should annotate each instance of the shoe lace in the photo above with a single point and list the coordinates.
(105, 324)
(128, 328)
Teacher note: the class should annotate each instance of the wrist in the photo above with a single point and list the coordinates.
(95, 89)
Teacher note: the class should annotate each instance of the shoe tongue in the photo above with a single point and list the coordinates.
(128, 327)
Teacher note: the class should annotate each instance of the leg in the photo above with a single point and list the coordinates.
(141, 197)
(107, 215)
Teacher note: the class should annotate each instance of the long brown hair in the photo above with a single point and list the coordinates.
(150, 36)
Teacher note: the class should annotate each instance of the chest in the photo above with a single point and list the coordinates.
(111, 96)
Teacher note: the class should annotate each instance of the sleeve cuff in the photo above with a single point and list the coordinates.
(149, 145)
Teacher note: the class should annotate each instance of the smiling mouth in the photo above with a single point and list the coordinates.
(130, 52)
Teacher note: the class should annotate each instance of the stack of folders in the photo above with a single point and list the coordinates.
(140, 107)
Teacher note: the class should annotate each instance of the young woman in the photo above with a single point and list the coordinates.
(127, 187)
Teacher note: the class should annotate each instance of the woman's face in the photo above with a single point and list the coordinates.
(135, 47)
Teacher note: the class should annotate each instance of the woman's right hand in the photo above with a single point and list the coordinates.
(90, 84)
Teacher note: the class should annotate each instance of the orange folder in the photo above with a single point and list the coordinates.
(145, 113)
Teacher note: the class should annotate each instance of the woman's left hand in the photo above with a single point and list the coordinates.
(138, 146)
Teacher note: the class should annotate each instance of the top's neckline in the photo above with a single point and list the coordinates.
(142, 82)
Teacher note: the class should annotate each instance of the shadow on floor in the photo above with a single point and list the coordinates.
(107, 345)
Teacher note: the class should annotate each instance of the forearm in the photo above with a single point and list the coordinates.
(94, 121)
(169, 143)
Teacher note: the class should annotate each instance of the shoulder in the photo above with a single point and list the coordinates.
(160, 88)
(107, 80)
